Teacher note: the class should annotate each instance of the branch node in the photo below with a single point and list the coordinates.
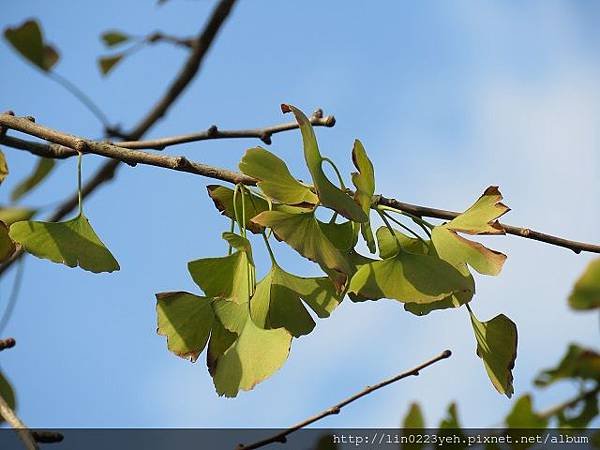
(329, 121)
(30, 118)
(318, 114)
(182, 162)
(266, 138)
(212, 131)
(7, 343)
(80, 146)
(334, 410)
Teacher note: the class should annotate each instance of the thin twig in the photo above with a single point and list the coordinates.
(7, 343)
(13, 420)
(336, 409)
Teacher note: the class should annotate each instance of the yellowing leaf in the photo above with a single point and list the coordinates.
(275, 180)
(364, 181)
(481, 217)
(186, 320)
(7, 246)
(223, 198)
(329, 194)
(276, 303)
(578, 363)
(42, 169)
(108, 63)
(523, 416)
(497, 346)
(586, 293)
(114, 37)
(73, 243)
(3, 167)
(27, 39)
(457, 251)
(303, 233)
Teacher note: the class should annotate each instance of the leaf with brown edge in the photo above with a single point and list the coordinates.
(223, 199)
(28, 40)
(364, 181)
(329, 194)
(186, 320)
(274, 178)
(482, 216)
(303, 233)
(497, 347)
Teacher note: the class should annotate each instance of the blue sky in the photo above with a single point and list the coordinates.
(447, 97)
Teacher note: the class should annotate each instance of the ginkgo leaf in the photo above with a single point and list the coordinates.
(7, 246)
(329, 194)
(390, 244)
(28, 40)
(408, 278)
(578, 363)
(523, 416)
(239, 243)
(226, 277)
(497, 347)
(186, 320)
(73, 243)
(223, 198)
(42, 169)
(108, 63)
(450, 421)
(342, 235)
(452, 301)
(303, 233)
(220, 340)
(457, 250)
(114, 37)
(414, 417)
(482, 216)
(3, 167)
(8, 394)
(277, 301)
(274, 178)
(255, 355)
(364, 181)
(12, 214)
(586, 292)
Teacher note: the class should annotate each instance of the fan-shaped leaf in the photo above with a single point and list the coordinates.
(42, 169)
(414, 417)
(253, 204)
(364, 181)
(481, 217)
(275, 180)
(329, 195)
(27, 39)
(388, 244)
(523, 416)
(586, 293)
(578, 363)
(497, 346)
(73, 243)
(114, 37)
(108, 63)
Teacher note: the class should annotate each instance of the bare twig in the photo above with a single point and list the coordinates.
(13, 420)
(336, 409)
(159, 36)
(7, 343)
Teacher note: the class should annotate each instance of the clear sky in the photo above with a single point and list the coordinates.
(447, 97)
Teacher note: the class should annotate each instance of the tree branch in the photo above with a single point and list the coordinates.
(336, 409)
(182, 164)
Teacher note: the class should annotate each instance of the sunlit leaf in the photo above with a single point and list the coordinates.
(114, 37)
(73, 243)
(364, 181)
(42, 169)
(342, 235)
(27, 39)
(482, 216)
(186, 320)
(303, 233)
(3, 167)
(578, 363)
(10, 214)
(276, 303)
(274, 178)
(390, 245)
(7, 246)
(497, 347)
(223, 198)
(329, 194)
(108, 63)
(523, 416)
(8, 394)
(586, 293)
(254, 356)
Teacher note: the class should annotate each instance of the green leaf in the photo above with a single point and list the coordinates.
(108, 63)
(408, 278)
(390, 246)
(414, 417)
(586, 293)
(342, 235)
(73, 243)
(329, 194)
(27, 39)
(254, 356)
(239, 243)
(114, 37)
(220, 340)
(3, 167)
(10, 215)
(364, 181)
(186, 320)
(482, 216)
(276, 303)
(42, 169)
(225, 277)
(452, 301)
(7, 246)
(459, 251)
(523, 416)
(8, 394)
(578, 363)
(497, 347)
(253, 204)
(274, 178)
(451, 420)
(303, 233)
